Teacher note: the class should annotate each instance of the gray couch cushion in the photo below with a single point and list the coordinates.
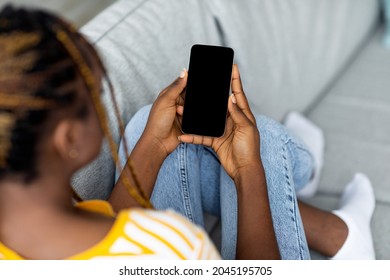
(355, 116)
(290, 50)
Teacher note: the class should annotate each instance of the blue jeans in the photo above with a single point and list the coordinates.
(192, 181)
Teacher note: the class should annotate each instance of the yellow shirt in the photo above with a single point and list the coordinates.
(142, 234)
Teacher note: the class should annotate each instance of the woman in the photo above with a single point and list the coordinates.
(52, 124)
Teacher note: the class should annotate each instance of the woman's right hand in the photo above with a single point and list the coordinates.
(163, 126)
(239, 148)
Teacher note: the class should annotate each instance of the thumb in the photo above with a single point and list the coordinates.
(177, 87)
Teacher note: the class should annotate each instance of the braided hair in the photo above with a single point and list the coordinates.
(36, 72)
(40, 57)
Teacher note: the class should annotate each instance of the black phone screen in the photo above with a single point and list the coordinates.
(208, 88)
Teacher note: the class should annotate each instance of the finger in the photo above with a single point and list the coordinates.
(196, 139)
(174, 90)
(240, 98)
(182, 74)
(236, 113)
(178, 121)
(180, 110)
(181, 98)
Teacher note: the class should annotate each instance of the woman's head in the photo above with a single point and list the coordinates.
(46, 108)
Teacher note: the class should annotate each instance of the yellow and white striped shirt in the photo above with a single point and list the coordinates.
(143, 234)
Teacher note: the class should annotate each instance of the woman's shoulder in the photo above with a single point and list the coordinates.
(165, 234)
(150, 234)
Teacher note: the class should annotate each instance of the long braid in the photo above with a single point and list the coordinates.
(121, 125)
(135, 191)
(129, 165)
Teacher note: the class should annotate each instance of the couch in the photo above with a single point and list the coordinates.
(323, 58)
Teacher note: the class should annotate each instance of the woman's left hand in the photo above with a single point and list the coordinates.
(163, 126)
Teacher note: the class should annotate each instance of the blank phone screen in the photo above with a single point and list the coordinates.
(207, 93)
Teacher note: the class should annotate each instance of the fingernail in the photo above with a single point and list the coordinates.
(234, 100)
(179, 138)
(183, 73)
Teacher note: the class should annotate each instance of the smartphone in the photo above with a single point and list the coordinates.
(208, 89)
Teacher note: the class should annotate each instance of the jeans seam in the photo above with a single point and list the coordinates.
(291, 197)
(184, 182)
(299, 147)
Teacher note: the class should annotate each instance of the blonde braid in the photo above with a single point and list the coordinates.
(140, 192)
(91, 83)
(13, 67)
(7, 121)
(129, 163)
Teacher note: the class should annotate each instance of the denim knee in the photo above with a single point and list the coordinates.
(302, 163)
(301, 160)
